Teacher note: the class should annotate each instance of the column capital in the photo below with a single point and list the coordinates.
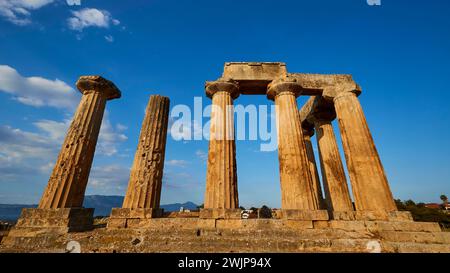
(283, 85)
(222, 85)
(327, 115)
(87, 84)
(352, 93)
(308, 129)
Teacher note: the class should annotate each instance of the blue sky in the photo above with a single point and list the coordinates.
(398, 52)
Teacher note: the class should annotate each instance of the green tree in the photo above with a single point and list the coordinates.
(444, 199)
(201, 206)
(265, 212)
(421, 213)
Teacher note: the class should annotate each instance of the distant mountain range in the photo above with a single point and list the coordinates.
(102, 204)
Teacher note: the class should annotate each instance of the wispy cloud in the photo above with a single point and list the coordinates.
(177, 163)
(109, 38)
(19, 11)
(37, 91)
(109, 179)
(91, 17)
(201, 154)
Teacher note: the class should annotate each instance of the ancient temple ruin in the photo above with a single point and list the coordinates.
(309, 220)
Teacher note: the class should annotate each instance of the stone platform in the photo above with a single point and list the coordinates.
(62, 219)
(240, 235)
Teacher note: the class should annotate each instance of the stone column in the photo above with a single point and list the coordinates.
(67, 183)
(369, 183)
(307, 134)
(60, 207)
(333, 175)
(143, 195)
(297, 190)
(144, 186)
(221, 195)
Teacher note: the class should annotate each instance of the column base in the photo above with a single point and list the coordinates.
(308, 215)
(121, 216)
(394, 216)
(61, 219)
(220, 213)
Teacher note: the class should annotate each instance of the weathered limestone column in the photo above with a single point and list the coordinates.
(333, 175)
(144, 188)
(307, 134)
(60, 207)
(369, 183)
(67, 183)
(221, 195)
(297, 190)
(143, 195)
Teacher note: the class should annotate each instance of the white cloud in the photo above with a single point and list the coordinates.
(55, 130)
(90, 17)
(19, 11)
(37, 91)
(109, 38)
(109, 179)
(25, 153)
(201, 154)
(109, 138)
(177, 163)
(73, 2)
(120, 127)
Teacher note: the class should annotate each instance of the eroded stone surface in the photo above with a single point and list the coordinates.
(144, 186)
(236, 235)
(68, 181)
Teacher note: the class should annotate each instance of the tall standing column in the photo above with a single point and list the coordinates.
(333, 174)
(67, 183)
(297, 190)
(307, 134)
(144, 186)
(221, 193)
(369, 183)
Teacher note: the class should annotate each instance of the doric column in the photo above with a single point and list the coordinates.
(221, 180)
(144, 186)
(297, 190)
(67, 183)
(369, 183)
(308, 132)
(333, 175)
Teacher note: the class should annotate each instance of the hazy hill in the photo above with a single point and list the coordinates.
(101, 203)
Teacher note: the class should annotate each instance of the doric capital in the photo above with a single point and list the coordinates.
(308, 129)
(87, 84)
(321, 115)
(284, 84)
(222, 85)
(352, 93)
